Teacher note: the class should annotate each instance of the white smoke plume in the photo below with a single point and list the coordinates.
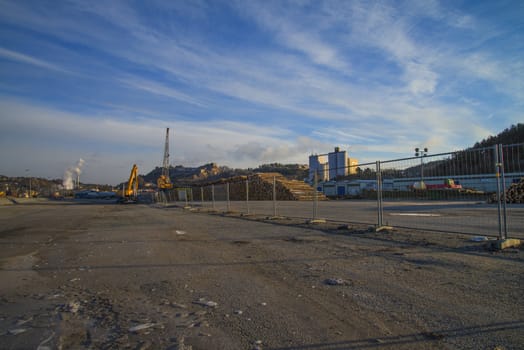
(68, 181)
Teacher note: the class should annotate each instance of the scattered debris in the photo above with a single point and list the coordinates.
(47, 340)
(316, 221)
(478, 239)
(205, 302)
(336, 282)
(238, 312)
(180, 306)
(257, 345)
(21, 322)
(73, 307)
(17, 331)
(142, 327)
(180, 232)
(55, 296)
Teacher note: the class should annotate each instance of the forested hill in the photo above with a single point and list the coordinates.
(511, 135)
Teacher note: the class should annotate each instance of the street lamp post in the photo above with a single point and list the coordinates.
(421, 153)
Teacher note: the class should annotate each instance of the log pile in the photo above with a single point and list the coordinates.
(261, 188)
(514, 194)
(289, 189)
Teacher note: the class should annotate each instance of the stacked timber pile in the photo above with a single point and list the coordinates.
(261, 188)
(514, 194)
(285, 189)
(289, 189)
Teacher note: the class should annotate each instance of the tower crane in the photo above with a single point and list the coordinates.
(164, 182)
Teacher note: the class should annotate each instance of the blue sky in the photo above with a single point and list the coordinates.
(243, 83)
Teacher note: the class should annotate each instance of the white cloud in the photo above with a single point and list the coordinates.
(296, 31)
(46, 130)
(421, 79)
(162, 90)
(22, 58)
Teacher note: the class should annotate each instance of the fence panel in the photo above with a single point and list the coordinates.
(352, 197)
(451, 192)
(219, 197)
(446, 192)
(513, 165)
(237, 195)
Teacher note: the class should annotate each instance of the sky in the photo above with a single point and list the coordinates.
(244, 83)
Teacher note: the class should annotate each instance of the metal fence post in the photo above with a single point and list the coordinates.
(247, 195)
(187, 195)
(504, 200)
(213, 195)
(315, 196)
(497, 176)
(227, 197)
(274, 196)
(202, 196)
(379, 195)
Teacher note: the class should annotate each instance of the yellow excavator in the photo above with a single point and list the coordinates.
(164, 183)
(130, 192)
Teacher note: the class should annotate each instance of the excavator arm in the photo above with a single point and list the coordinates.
(132, 184)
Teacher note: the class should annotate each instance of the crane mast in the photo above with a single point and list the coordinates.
(164, 181)
(165, 164)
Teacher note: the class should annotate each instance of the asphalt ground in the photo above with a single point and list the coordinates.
(468, 217)
(106, 276)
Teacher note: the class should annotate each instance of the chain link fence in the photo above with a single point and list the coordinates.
(478, 192)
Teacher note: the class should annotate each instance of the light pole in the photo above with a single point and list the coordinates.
(421, 153)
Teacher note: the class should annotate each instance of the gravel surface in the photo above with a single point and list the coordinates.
(143, 277)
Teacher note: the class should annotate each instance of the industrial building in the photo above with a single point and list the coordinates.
(483, 183)
(332, 165)
(318, 164)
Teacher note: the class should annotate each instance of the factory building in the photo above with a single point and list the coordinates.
(353, 164)
(318, 164)
(331, 165)
(338, 163)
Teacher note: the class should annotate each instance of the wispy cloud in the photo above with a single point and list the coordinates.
(296, 30)
(162, 90)
(194, 143)
(26, 59)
